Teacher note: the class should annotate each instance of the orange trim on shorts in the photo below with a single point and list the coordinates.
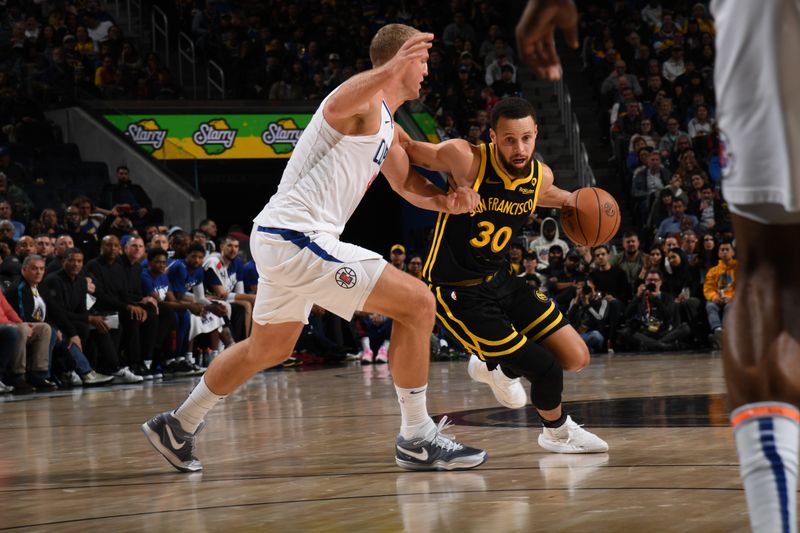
(767, 410)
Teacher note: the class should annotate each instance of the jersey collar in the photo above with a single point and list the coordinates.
(509, 182)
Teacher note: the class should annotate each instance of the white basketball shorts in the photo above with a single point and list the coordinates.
(757, 81)
(297, 270)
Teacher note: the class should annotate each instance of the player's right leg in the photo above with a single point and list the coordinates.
(172, 433)
(761, 358)
(421, 444)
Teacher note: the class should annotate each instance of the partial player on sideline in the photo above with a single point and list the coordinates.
(301, 262)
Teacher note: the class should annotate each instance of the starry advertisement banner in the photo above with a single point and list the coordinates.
(224, 136)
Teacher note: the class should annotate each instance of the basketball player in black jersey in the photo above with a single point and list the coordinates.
(511, 328)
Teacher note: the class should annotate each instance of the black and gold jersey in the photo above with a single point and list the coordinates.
(467, 249)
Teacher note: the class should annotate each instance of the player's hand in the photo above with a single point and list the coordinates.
(196, 308)
(535, 42)
(98, 323)
(414, 50)
(462, 200)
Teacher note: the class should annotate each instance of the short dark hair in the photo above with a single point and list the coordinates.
(72, 251)
(603, 246)
(152, 253)
(512, 107)
(654, 271)
(196, 247)
(630, 234)
(121, 167)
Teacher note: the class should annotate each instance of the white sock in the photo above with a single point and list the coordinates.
(767, 440)
(385, 345)
(415, 420)
(192, 411)
(365, 344)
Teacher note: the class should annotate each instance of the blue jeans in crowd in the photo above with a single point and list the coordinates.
(715, 313)
(594, 340)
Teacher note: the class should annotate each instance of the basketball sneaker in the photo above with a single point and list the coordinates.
(571, 438)
(382, 356)
(366, 356)
(509, 392)
(439, 452)
(166, 435)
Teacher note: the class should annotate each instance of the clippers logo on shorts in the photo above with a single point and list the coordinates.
(726, 157)
(147, 133)
(214, 136)
(541, 296)
(282, 135)
(346, 278)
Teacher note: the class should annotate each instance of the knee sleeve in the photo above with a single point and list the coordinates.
(542, 369)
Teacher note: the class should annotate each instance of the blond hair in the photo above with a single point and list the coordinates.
(388, 41)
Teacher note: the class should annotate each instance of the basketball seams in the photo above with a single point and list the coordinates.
(599, 216)
(578, 216)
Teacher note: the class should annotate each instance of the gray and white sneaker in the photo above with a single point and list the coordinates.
(124, 375)
(439, 452)
(571, 438)
(5, 388)
(166, 435)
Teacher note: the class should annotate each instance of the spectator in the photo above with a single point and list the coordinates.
(550, 237)
(132, 200)
(651, 322)
(683, 281)
(63, 243)
(118, 281)
(701, 124)
(72, 225)
(6, 213)
(505, 86)
(646, 183)
(49, 220)
(64, 294)
(23, 296)
(678, 221)
(11, 268)
(719, 290)
(631, 260)
(458, 29)
(16, 197)
(397, 256)
(709, 210)
(20, 334)
(588, 313)
(611, 85)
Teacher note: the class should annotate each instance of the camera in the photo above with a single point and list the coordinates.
(650, 287)
(587, 290)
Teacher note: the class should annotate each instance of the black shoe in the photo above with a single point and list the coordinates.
(21, 386)
(167, 436)
(43, 384)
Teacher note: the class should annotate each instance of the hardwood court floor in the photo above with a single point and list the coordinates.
(313, 451)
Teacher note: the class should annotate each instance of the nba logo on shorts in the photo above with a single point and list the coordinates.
(346, 277)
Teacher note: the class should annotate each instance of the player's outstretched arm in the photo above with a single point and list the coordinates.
(549, 194)
(535, 40)
(354, 97)
(420, 192)
(455, 156)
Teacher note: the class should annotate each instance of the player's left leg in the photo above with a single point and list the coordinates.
(421, 445)
(761, 358)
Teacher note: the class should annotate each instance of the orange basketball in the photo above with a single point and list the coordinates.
(590, 216)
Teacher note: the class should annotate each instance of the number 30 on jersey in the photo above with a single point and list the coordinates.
(498, 239)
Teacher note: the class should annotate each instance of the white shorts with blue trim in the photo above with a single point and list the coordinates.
(297, 270)
(758, 107)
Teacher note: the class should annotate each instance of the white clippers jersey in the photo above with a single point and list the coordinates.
(326, 177)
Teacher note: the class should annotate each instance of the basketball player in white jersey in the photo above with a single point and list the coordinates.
(758, 108)
(301, 262)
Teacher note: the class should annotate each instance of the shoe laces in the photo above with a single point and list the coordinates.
(446, 442)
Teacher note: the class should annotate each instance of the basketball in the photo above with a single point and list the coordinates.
(590, 216)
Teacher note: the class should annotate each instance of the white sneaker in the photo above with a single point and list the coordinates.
(509, 392)
(571, 438)
(124, 375)
(74, 379)
(5, 388)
